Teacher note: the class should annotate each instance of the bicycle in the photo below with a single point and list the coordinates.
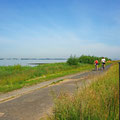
(103, 66)
(96, 67)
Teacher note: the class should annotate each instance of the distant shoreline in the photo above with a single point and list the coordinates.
(29, 62)
(33, 58)
(37, 63)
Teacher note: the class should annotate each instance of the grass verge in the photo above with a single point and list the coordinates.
(14, 77)
(99, 101)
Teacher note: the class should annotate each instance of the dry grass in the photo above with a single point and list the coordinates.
(99, 101)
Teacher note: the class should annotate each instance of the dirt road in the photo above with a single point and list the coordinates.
(31, 103)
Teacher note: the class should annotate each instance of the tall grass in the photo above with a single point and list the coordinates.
(99, 101)
(14, 77)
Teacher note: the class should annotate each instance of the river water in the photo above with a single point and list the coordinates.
(6, 62)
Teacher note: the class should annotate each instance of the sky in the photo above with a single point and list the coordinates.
(59, 28)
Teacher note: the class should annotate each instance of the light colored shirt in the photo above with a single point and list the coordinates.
(103, 60)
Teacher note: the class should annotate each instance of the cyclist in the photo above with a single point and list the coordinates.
(96, 64)
(103, 63)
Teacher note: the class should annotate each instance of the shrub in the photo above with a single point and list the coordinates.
(73, 60)
(90, 59)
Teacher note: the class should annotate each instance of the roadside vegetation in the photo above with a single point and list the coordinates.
(98, 101)
(15, 77)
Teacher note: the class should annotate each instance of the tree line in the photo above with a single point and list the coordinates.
(73, 60)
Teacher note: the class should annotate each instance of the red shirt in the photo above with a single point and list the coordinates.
(96, 61)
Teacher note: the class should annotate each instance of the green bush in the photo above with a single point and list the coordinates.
(90, 59)
(84, 59)
(73, 60)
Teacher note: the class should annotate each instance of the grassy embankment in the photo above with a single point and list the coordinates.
(99, 101)
(14, 77)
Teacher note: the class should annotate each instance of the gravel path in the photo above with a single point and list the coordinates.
(31, 103)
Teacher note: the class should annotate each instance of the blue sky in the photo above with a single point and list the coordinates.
(59, 28)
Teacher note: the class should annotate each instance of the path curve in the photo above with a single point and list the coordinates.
(31, 103)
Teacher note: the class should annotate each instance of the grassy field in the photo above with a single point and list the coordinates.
(99, 101)
(14, 77)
